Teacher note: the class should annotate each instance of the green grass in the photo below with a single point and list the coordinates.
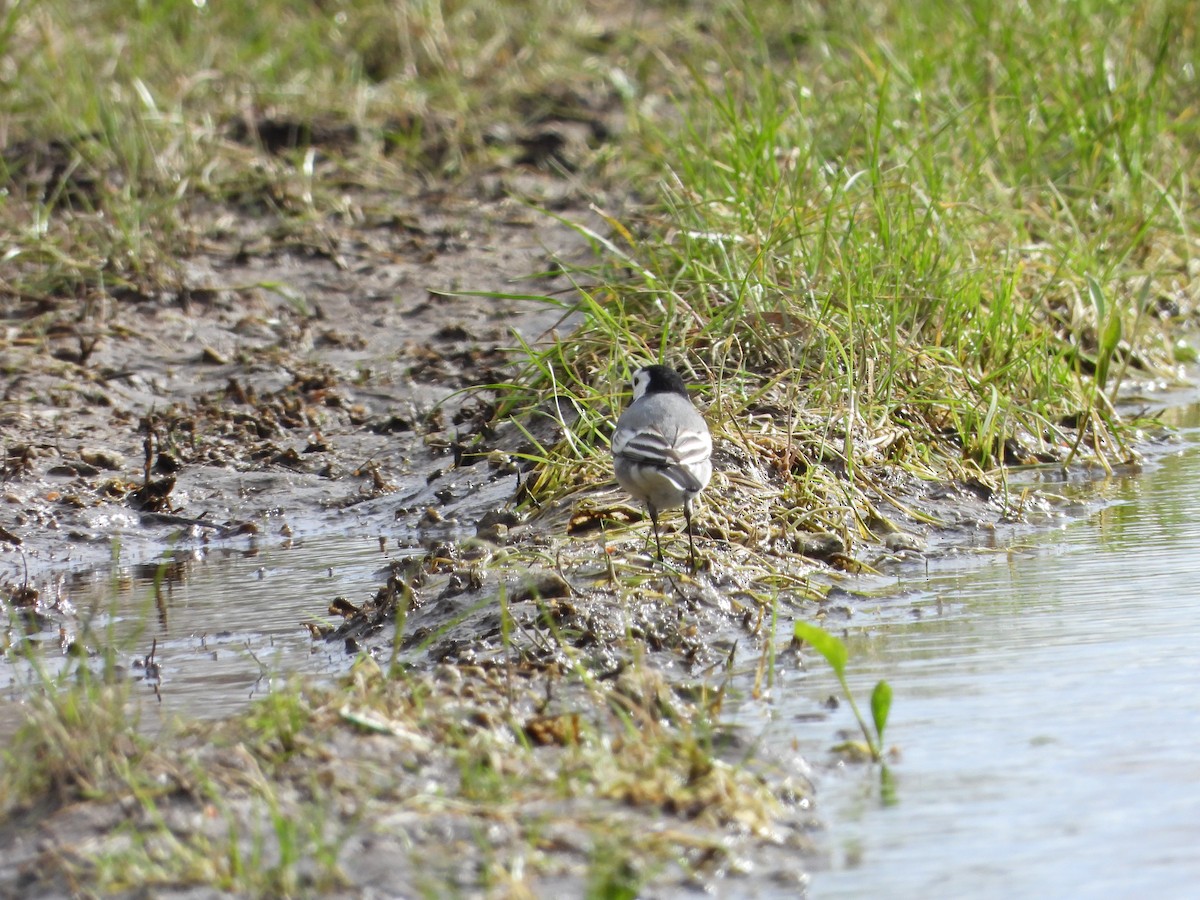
(80, 737)
(133, 127)
(918, 237)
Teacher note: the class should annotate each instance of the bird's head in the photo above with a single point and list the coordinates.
(657, 380)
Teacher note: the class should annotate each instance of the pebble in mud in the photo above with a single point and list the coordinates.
(818, 545)
(902, 541)
(497, 533)
(102, 458)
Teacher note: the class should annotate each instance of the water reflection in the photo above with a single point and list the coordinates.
(1047, 712)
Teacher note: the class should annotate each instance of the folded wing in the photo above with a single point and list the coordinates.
(678, 457)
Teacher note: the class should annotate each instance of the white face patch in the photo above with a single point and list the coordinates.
(641, 381)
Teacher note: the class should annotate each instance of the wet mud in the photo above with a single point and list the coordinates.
(276, 390)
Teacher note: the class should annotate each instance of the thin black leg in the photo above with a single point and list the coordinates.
(687, 517)
(654, 522)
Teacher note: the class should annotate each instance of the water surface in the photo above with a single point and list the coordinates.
(222, 624)
(1046, 710)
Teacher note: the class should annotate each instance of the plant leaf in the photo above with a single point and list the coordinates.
(1096, 295)
(1109, 338)
(1108, 329)
(826, 644)
(881, 705)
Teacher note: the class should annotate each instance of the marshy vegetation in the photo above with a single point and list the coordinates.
(899, 248)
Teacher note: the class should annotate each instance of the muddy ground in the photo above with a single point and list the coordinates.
(276, 383)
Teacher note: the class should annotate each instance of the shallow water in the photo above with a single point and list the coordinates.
(224, 623)
(1046, 711)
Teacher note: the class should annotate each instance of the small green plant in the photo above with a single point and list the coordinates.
(835, 653)
(280, 720)
(612, 873)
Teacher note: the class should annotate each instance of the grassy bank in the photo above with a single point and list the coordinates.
(893, 245)
(928, 238)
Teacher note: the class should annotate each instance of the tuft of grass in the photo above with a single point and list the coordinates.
(280, 722)
(612, 874)
(79, 739)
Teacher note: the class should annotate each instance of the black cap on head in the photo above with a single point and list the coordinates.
(664, 380)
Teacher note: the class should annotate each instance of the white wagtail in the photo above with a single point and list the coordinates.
(662, 449)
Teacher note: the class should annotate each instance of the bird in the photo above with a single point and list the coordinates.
(662, 450)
